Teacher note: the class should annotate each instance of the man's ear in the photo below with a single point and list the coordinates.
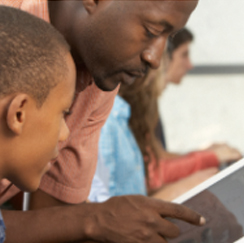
(90, 5)
(16, 113)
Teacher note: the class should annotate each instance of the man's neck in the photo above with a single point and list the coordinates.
(61, 17)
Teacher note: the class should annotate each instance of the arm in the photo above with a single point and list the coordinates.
(173, 190)
(172, 170)
(54, 224)
(183, 166)
(186, 165)
(120, 219)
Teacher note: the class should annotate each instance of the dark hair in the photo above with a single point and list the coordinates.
(32, 55)
(180, 38)
(142, 96)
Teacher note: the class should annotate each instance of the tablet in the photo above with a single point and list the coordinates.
(220, 200)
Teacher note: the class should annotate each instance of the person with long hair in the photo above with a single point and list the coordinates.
(130, 148)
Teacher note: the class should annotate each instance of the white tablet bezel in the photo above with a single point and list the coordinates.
(211, 181)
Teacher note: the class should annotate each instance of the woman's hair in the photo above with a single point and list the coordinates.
(182, 37)
(143, 99)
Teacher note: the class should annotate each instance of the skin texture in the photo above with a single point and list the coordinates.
(22, 117)
(133, 42)
(98, 222)
(171, 191)
(225, 153)
(110, 39)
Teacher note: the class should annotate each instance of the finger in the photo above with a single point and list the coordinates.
(173, 210)
(159, 239)
(167, 229)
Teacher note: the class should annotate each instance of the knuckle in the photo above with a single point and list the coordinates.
(151, 221)
(146, 234)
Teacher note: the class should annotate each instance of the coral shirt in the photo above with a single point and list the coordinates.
(70, 178)
(170, 170)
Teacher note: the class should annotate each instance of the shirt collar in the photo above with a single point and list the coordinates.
(121, 108)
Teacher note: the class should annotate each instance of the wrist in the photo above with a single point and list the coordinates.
(88, 220)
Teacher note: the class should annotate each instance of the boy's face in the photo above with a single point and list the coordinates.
(44, 128)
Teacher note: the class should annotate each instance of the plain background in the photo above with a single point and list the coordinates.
(209, 108)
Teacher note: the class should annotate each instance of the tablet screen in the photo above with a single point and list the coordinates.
(222, 204)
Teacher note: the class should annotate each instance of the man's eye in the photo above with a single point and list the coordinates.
(171, 38)
(149, 34)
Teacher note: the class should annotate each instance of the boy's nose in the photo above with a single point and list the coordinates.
(64, 132)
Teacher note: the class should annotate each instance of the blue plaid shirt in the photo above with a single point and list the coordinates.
(120, 163)
(2, 229)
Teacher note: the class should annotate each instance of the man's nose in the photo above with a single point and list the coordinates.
(152, 55)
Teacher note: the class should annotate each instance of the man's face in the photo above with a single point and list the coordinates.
(120, 40)
(180, 64)
(44, 128)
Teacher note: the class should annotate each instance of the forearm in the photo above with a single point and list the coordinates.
(175, 169)
(54, 224)
(173, 190)
(119, 219)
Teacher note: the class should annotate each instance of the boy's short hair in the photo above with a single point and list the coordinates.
(32, 55)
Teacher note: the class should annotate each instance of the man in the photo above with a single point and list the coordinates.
(113, 42)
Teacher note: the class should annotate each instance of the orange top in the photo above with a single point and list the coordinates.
(170, 170)
(70, 178)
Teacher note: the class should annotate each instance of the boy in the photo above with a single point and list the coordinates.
(37, 83)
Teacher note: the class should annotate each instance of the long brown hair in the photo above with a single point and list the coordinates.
(142, 97)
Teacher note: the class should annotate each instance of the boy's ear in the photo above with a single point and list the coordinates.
(90, 5)
(16, 113)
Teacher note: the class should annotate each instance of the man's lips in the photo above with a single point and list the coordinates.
(136, 74)
(130, 77)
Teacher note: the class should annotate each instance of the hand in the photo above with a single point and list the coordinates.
(138, 219)
(225, 153)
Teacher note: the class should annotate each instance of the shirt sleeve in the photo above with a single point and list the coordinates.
(70, 178)
(174, 169)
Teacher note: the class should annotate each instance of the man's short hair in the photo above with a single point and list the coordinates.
(182, 37)
(32, 55)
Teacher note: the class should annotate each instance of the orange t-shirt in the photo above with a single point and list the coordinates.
(70, 178)
(171, 170)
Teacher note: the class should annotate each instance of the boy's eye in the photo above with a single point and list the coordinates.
(66, 113)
